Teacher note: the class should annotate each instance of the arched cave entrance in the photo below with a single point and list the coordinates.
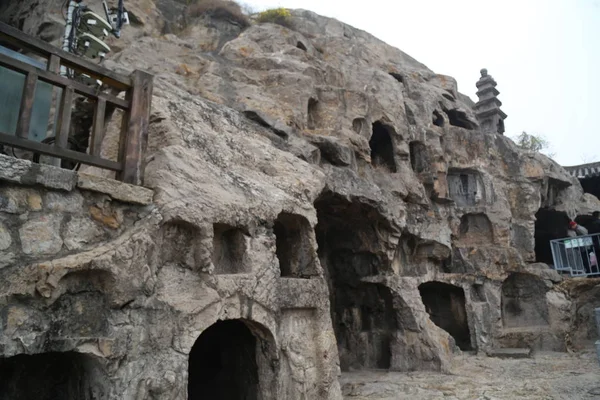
(445, 305)
(362, 312)
(382, 148)
(229, 361)
(549, 225)
(524, 301)
(52, 376)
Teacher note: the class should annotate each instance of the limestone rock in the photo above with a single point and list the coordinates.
(305, 190)
(41, 236)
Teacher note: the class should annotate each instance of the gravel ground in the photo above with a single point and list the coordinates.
(545, 376)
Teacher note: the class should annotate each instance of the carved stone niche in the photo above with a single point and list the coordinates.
(466, 187)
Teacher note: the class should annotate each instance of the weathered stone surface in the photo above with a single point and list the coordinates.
(115, 189)
(509, 353)
(80, 232)
(381, 159)
(41, 235)
(28, 173)
(105, 216)
(5, 239)
(62, 202)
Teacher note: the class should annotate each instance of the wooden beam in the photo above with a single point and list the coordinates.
(27, 99)
(64, 154)
(64, 121)
(134, 134)
(22, 40)
(59, 81)
(53, 64)
(98, 127)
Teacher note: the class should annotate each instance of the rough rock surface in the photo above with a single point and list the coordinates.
(307, 182)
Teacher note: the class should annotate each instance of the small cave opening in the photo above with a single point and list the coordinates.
(312, 113)
(445, 305)
(223, 363)
(410, 115)
(294, 247)
(478, 293)
(362, 312)
(358, 125)
(301, 46)
(182, 238)
(500, 126)
(382, 148)
(449, 96)
(437, 119)
(419, 158)
(475, 230)
(524, 301)
(397, 76)
(53, 376)
(549, 225)
(465, 187)
(229, 250)
(460, 119)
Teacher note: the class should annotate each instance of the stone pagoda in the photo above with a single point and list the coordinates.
(488, 112)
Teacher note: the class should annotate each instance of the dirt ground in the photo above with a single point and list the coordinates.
(545, 376)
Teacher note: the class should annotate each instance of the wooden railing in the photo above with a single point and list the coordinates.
(136, 106)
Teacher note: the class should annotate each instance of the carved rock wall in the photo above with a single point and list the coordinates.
(307, 183)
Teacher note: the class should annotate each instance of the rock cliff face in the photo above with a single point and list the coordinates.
(322, 201)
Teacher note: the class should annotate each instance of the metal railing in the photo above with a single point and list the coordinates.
(135, 105)
(579, 256)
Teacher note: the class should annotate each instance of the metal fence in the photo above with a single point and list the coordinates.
(577, 255)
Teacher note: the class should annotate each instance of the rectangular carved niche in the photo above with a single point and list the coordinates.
(229, 250)
(294, 247)
(465, 187)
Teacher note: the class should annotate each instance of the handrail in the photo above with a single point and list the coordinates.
(35, 45)
(136, 106)
(578, 255)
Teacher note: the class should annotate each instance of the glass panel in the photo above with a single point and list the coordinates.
(11, 87)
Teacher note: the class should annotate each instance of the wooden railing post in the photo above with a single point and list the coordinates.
(27, 99)
(134, 129)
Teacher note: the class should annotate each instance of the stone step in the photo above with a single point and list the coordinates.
(510, 353)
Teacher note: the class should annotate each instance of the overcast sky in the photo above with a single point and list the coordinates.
(544, 54)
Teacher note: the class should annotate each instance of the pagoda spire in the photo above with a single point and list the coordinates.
(487, 110)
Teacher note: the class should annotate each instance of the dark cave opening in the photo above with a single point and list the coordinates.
(397, 77)
(524, 301)
(460, 119)
(549, 225)
(419, 160)
(591, 185)
(445, 305)
(293, 246)
(382, 149)
(437, 119)
(52, 376)
(301, 46)
(312, 112)
(222, 363)
(362, 313)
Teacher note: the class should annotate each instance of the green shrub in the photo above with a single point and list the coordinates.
(225, 9)
(280, 16)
